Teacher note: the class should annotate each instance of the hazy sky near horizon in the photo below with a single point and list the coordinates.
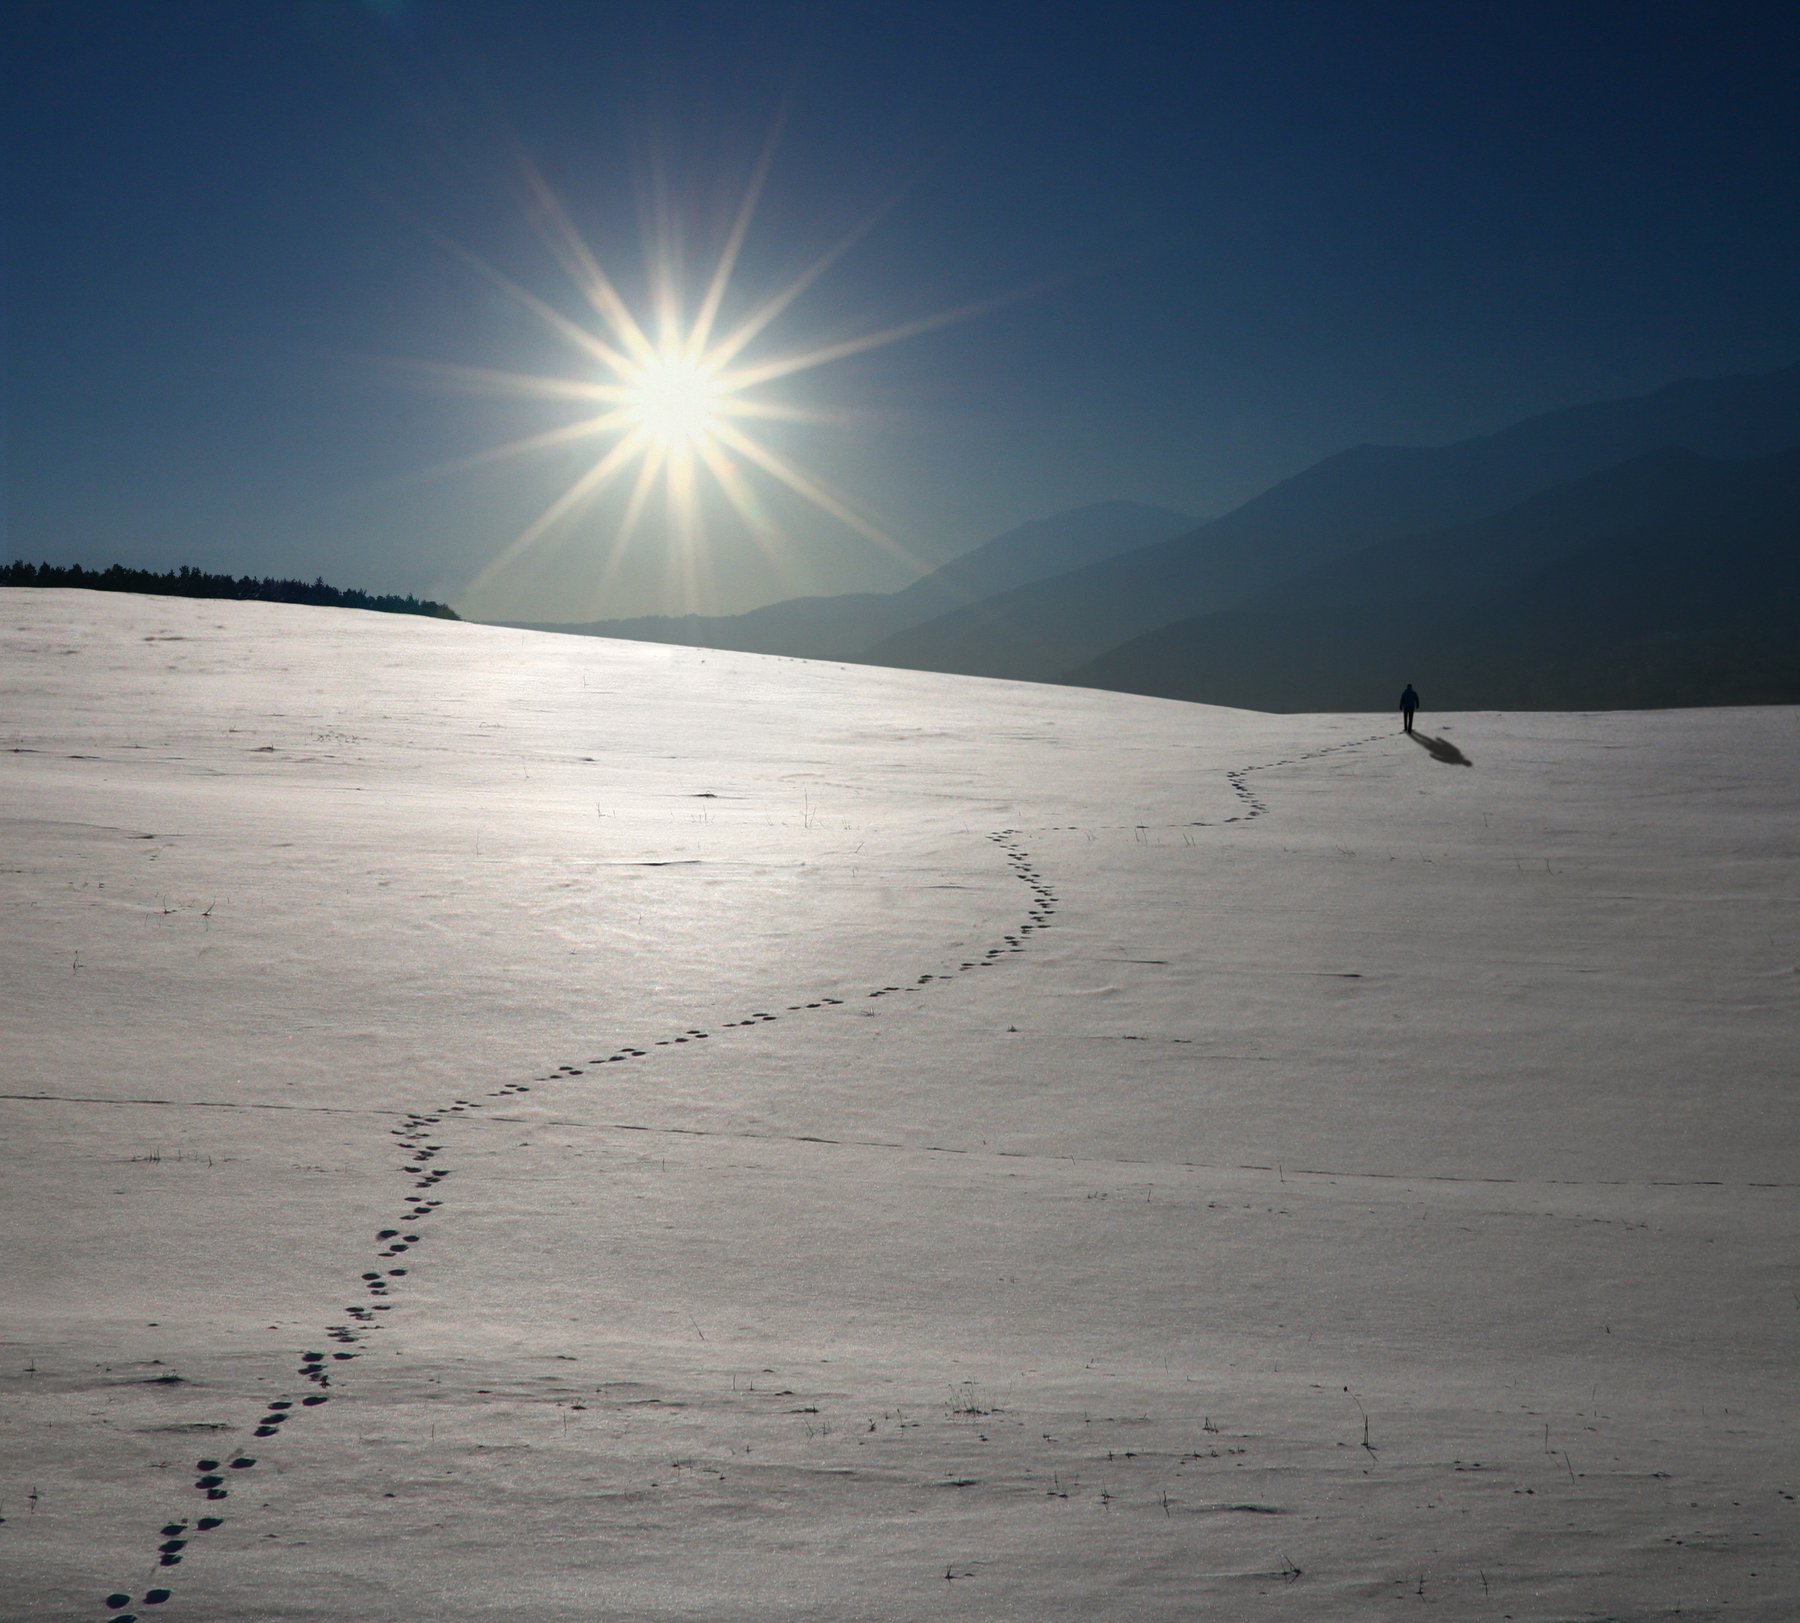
(1191, 249)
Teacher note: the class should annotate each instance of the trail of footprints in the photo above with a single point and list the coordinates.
(393, 1246)
(1253, 805)
(314, 1366)
(416, 1135)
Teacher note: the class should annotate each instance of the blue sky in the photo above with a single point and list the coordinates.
(1208, 244)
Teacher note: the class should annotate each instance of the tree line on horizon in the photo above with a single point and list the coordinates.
(189, 582)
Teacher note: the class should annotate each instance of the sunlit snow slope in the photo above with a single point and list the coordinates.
(502, 1126)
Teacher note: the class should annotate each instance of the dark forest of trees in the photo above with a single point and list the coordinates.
(186, 582)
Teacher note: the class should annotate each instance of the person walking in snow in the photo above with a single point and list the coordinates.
(1409, 702)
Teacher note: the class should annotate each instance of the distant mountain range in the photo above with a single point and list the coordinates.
(1623, 588)
(1631, 552)
(848, 626)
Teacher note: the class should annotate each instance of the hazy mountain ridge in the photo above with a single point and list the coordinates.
(1567, 600)
(1051, 630)
(1377, 564)
(846, 626)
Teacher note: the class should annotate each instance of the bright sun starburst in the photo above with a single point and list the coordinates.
(671, 394)
(675, 400)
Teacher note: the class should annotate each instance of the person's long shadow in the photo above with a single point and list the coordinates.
(1440, 749)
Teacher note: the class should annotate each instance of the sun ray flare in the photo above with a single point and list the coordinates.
(583, 489)
(679, 392)
(701, 331)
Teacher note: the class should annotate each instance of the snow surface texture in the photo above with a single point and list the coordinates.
(507, 1126)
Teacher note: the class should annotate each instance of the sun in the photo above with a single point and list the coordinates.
(671, 415)
(675, 401)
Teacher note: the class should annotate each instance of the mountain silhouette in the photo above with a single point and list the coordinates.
(1049, 629)
(1673, 578)
(843, 627)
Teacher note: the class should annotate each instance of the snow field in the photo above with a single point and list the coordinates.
(1341, 1181)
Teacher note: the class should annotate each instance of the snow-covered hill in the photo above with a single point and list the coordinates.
(733, 1138)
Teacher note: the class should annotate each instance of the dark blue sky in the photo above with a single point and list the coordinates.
(1241, 237)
